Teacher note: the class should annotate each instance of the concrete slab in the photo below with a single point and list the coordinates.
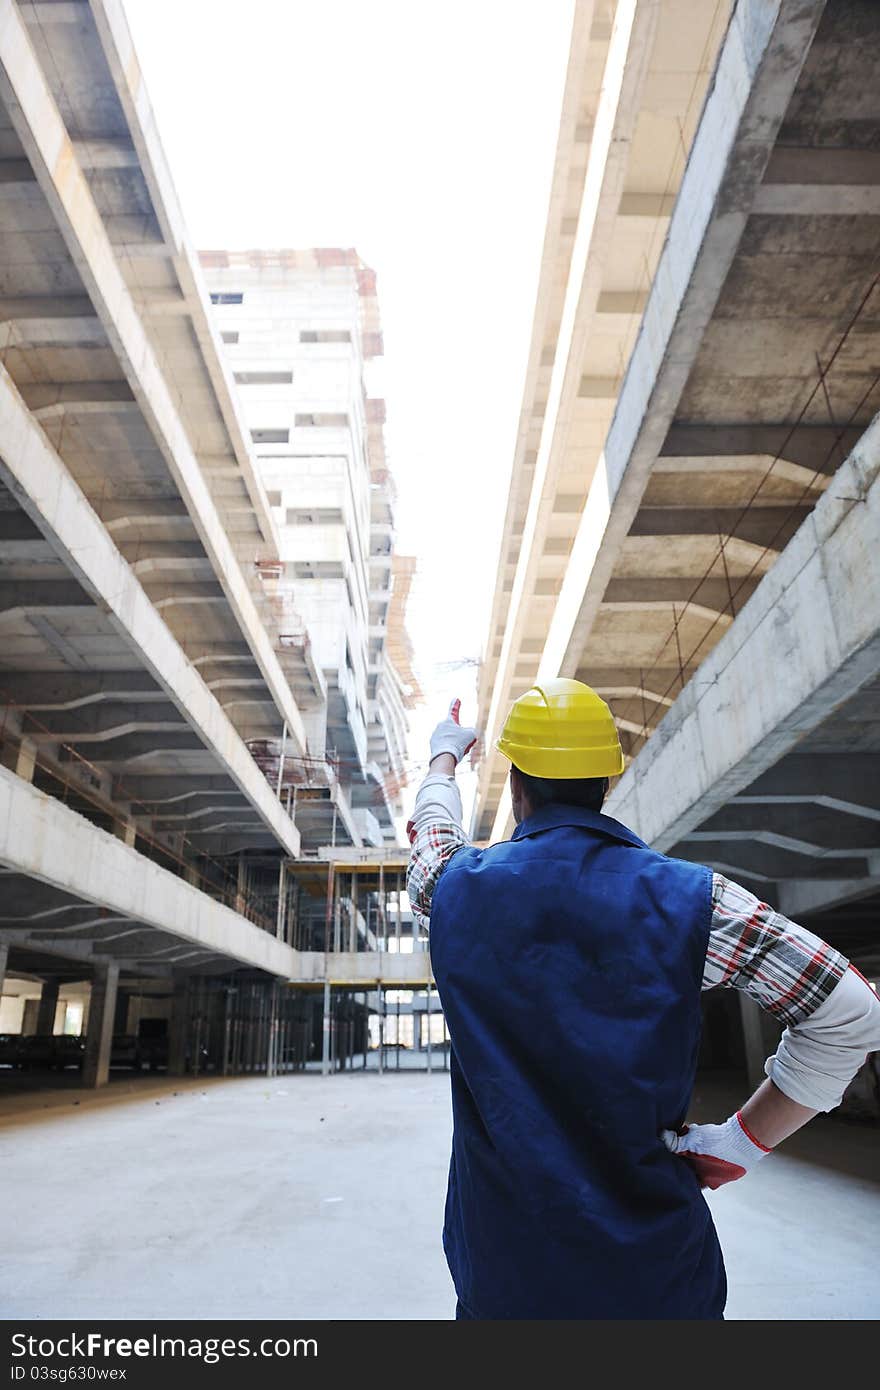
(323, 1197)
(45, 840)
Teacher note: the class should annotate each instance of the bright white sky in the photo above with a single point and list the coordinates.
(424, 136)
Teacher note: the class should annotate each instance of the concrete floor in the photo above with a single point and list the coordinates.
(322, 1198)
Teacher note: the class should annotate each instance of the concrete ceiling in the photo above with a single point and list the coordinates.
(783, 381)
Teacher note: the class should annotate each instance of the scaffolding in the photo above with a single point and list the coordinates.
(353, 904)
(233, 1026)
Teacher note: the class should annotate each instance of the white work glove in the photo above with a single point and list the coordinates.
(451, 737)
(717, 1153)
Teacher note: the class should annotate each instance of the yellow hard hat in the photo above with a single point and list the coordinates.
(562, 728)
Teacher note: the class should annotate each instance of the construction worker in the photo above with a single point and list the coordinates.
(569, 961)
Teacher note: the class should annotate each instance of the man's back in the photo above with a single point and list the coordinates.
(569, 962)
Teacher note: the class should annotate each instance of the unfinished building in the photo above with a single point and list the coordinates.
(164, 707)
(692, 523)
(299, 329)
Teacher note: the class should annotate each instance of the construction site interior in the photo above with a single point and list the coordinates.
(206, 680)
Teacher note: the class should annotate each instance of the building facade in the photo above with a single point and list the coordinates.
(299, 330)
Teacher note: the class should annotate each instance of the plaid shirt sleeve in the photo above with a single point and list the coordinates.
(433, 845)
(435, 833)
(784, 967)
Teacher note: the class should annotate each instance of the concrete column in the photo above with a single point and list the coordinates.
(241, 886)
(325, 1032)
(4, 957)
(99, 1039)
(26, 760)
(120, 1016)
(48, 1007)
(428, 1016)
(29, 1017)
(281, 915)
(761, 1033)
(178, 1029)
(125, 830)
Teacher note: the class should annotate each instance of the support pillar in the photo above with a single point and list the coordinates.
(381, 1013)
(325, 1032)
(26, 761)
(48, 1007)
(99, 1039)
(4, 957)
(241, 885)
(125, 830)
(120, 1019)
(761, 1034)
(281, 915)
(178, 1029)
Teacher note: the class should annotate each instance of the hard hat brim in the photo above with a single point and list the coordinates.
(563, 764)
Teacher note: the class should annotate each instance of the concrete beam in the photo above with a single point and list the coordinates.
(23, 901)
(44, 839)
(802, 899)
(769, 527)
(760, 466)
(167, 514)
(846, 782)
(771, 862)
(16, 171)
(711, 594)
(758, 68)
(44, 307)
(818, 200)
(45, 490)
(48, 399)
(363, 968)
(66, 690)
(28, 596)
(818, 448)
(810, 181)
(805, 829)
(40, 128)
(57, 641)
(832, 167)
(83, 333)
(813, 626)
(157, 790)
(117, 153)
(99, 926)
(96, 723)
(199, 813)
(165, 596)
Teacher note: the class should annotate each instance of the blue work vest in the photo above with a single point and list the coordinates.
(569, 963)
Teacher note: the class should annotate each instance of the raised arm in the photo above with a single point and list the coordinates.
(435, 830)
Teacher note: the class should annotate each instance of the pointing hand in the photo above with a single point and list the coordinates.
(451, 737)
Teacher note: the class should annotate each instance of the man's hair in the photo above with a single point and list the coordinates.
(588, 792)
